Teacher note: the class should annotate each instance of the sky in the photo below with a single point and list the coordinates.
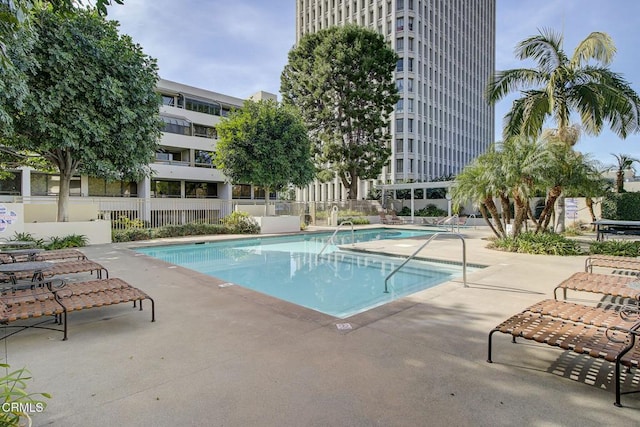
(240, 47)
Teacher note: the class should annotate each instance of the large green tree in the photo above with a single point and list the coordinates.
(561, 85)
(91, 105)
(265, 143)
(341, 78)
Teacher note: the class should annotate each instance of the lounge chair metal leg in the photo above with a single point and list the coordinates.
(153, 309)
(64, 314)
(617, 402)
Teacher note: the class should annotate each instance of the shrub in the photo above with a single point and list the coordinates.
(192, 229)
(130, 235)
(13, 390)
(622, 206)
(71, 241)
(541, 243)
(356, 221)
(241, 223)
(616, 247)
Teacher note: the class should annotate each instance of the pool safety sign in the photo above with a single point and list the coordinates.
(7, 217)
(571, 208)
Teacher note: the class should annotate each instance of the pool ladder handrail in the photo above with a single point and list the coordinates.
(464, 259)
(353, 239)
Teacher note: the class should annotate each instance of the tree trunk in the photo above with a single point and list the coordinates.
(63, 196)
(620, 181)
(520, 215)
(545, 216)
(485, 215)
(589, 202)
(266, 201)
(559, 228)
(493, 209)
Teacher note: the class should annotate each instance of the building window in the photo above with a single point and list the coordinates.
(258, 193)
(400, 85)
(176, 125)
(400, 106)
(410, 105)
(241, 191)
(165, 188)
(400, 65)
(410, 125)
(169, 100)
(399, 165)
(399, 4)
(205, 131)
(399, 24)
(410, 24)
(203, 107)
(99, 187)
(399, 125)
(399, 145)
(11, 185)
(200, 190)
(204, 159)
(410, 145)
(399, 44)
(410, 85)
(43, 184)
(410, 65)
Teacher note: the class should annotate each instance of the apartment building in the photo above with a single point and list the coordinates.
(447, 53)
(182, 165)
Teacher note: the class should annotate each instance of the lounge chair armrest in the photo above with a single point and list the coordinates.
(630, 333)
(630, 312)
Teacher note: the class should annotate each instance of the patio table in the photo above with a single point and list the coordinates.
(30, 253)
(16, 243)
(17, 267)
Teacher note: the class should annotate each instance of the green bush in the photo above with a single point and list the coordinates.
(241, 223)
(193, 229)
(541, 244)
(429, 210)
(356, 221)
(621, 206)
(616, 247)
(71, 241)
(131, 235)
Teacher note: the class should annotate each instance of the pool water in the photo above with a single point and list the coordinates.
(337, 282)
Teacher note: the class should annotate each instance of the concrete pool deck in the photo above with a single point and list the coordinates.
(226, 356)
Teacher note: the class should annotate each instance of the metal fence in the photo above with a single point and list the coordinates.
(157, 212)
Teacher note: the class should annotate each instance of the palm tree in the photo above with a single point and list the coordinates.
(477, 183)
(561, 85)
(522, 161)
(625, 163)
(566, 170)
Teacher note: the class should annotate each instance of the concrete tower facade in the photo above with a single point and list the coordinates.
(447, 54)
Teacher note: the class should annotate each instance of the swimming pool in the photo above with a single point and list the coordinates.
(337, 282)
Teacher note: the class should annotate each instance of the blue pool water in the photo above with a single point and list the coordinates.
(337, 282)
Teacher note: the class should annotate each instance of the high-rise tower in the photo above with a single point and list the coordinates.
(447, 54)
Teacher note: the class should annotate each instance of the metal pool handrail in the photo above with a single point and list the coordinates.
(464, 259)
(353, 239)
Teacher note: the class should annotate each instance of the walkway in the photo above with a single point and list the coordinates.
(225, 356)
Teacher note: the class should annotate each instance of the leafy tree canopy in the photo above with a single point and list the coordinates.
(91, 105)
(266, 144)
(341, 78)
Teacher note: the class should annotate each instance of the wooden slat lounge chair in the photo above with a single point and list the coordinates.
(630, 264)
(55, 254)
(28, 304)
(607, 284)
(57, 298)
(391, 219)
(64, 267)
(617, 343)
